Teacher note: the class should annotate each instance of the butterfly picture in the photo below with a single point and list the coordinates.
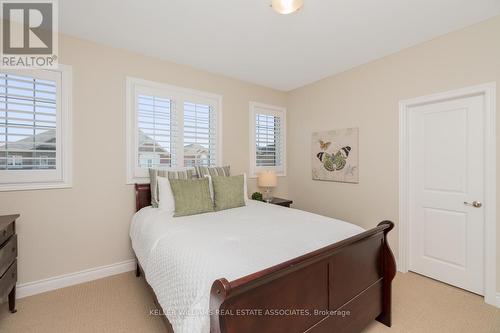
(335, 155)
(335, 162)
(350, 170)
(324, 145)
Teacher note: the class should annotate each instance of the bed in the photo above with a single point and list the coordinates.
(263, 268)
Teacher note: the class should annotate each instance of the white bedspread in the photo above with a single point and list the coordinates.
(183, 256)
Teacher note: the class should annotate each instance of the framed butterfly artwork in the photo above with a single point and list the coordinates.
(335, 155)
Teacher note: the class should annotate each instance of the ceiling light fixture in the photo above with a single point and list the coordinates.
(287, 6)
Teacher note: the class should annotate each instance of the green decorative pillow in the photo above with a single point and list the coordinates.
(228, 192)
(154, 173)
(191, 196)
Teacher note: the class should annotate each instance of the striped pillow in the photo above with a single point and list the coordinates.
(153, 173)
(203, 171)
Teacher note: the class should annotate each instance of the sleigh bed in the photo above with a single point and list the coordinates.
(341, 287)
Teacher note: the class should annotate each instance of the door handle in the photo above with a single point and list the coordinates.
(475, 204)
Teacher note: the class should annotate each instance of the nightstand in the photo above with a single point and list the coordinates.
(8, 259)
(282, 202)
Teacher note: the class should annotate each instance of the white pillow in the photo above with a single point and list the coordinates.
(245, 188)
(210, 186)
(165, 195)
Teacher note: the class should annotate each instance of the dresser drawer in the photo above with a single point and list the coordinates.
(6, 232)
(8, 280)
(8, 253)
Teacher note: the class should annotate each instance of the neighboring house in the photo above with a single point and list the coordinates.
(33, 152)
(266, 155)
(151, 153)
(39, 152)
(196, 154)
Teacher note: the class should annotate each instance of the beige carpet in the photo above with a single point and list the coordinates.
(122, 304)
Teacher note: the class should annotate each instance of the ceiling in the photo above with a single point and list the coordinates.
(247, 40)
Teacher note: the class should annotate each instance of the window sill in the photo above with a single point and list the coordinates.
(134, 181)
(255, 175)
(34, 186)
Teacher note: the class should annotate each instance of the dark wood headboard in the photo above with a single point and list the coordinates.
(142, 196)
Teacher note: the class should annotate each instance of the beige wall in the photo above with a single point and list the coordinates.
(65, 231)
(367, 97)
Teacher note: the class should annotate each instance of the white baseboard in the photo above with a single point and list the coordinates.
(498, 300)
(66, 280)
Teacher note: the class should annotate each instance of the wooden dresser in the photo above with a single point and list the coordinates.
(8, 259)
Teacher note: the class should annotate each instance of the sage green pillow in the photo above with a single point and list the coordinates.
(228, 192)
(154, 173)
(191, 196)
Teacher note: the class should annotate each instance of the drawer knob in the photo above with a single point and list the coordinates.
(13, 275)
(13, 249)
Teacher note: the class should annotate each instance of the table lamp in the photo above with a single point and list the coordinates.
(268, 180)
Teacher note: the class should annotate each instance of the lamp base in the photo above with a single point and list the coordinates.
(268, 197)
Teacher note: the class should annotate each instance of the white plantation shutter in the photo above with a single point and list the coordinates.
(200, 135)
(28, 123)
(268, 140)
(35, 128)
(169, 127)
(156, 125)
(267, 131)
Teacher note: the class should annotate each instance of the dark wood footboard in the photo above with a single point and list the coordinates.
(340, 288)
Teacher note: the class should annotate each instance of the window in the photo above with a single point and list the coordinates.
(155, 126)
(267, 139)
(200, 139)
(14, 162)
(170, 127)
(35, 121)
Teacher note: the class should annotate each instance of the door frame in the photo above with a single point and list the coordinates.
(405, 122)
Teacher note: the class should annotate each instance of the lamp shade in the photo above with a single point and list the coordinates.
(268, 179)
(287, 6)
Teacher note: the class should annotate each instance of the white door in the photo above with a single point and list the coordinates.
(447, 190)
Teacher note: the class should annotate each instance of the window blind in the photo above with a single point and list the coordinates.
(268, 140)
(200, 137)
(156, 124)
(174, 127)
(28, 123)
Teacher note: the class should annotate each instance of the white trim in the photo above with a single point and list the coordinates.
(129, 130)
(489, 93)
(178, 94)
(279, 111)
(498, 300)
(67, 125)
(64, 127)
(66, 280)
(34, 186)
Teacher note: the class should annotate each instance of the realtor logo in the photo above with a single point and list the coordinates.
(29, 33)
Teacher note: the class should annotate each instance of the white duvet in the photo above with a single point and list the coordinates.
(183, 256)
